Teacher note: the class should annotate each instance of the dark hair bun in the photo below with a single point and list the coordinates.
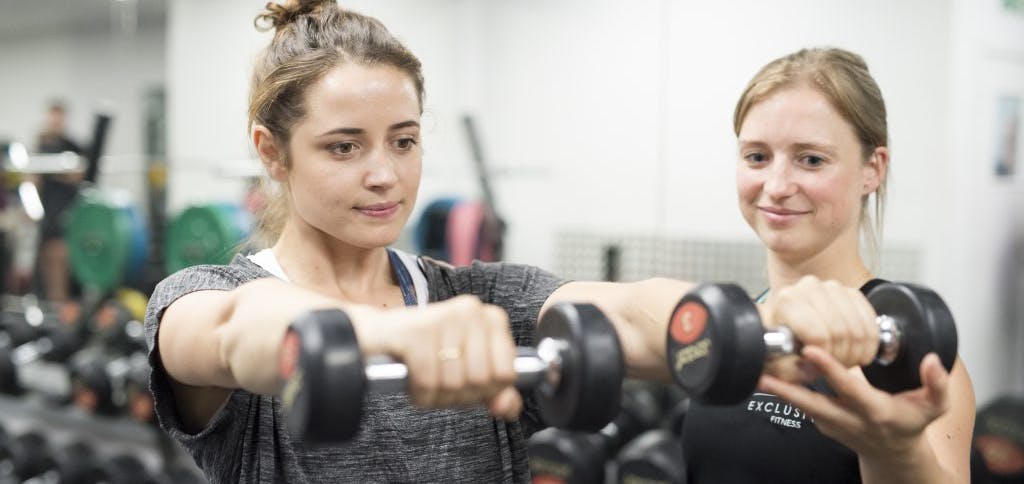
(278, 15)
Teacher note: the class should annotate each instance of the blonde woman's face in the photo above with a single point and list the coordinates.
(356, 156)
(800, 174)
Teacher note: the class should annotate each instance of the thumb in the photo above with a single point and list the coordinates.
(507, 404)
(935, 380)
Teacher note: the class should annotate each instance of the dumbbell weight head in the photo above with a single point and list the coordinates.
(9, 383)
(324, 375)
(125, 469)
(28, 453)
(589, 389)
(580, 457)
(76, 463)
(715, 345)
(925, 325)
(565, 457)
(656, 456)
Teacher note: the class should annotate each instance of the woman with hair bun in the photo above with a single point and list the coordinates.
(334, 115)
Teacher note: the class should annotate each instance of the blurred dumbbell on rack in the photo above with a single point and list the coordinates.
(24, 456)
(579, 457)
(114, 385)
(656, 456)
(998, 442)
(37, 364)
(112, 378)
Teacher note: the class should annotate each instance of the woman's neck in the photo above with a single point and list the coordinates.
(313, 259)
(840, 262)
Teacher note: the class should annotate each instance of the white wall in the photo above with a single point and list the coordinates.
(90, 71)
(974, 263)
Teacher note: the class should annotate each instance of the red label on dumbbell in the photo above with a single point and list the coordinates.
(1002, 456)
(688, 322)
(289, 357)
(106, 317)
(70, 311)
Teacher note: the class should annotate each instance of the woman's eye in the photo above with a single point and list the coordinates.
(405, 144)
(342, 148)
(756, 157)
(811, 160)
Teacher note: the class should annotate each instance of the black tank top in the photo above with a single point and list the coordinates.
(763, 440)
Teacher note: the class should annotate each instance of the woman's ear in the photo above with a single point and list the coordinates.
(271, 153)
(875, 169)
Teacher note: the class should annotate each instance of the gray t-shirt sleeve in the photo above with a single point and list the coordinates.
(184, 282)
(229, 438)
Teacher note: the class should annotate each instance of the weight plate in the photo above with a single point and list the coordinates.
(589, 390)
(107, 242)
(205, 234)
(715, 344)
(431, 233)
(926, 325)
(325, 380)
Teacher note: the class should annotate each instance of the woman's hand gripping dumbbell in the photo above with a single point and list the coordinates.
(717, 346)
(575, 372)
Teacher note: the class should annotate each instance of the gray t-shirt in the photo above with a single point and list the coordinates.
(248, 441)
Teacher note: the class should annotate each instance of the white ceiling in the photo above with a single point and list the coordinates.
(29, 18)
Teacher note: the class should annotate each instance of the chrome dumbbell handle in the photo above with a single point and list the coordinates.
(533, 366)
(781, 342)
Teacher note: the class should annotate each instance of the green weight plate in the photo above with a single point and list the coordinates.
(204, 234)
(101, 242)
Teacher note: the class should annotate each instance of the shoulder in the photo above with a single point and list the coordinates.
(202, 278)
(482, 278)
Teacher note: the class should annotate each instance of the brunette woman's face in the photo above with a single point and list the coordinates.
(356, 155)
(801, 173)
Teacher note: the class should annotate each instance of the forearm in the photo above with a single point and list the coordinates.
(640, 312)
(260, 312)
(918, 465)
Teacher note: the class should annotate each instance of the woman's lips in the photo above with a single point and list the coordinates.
(781, 215)
(379, 210)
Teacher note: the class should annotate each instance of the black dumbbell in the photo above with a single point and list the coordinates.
(76, 463)
(579, 457)
(59, 343)
(24, 456)
(116, 329)
(15, 330)
(111, 385)
(998, 444)
(716, 344)
(656, 456)
(576, 373)
(125, 469)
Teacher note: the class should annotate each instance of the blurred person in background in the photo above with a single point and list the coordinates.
(57, 191)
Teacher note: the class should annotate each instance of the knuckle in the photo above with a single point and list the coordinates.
(477, 379)
(809, 280)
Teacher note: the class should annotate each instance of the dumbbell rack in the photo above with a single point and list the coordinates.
(558, 455)
(109, 436)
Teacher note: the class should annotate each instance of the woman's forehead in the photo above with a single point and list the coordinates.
(354, 93)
